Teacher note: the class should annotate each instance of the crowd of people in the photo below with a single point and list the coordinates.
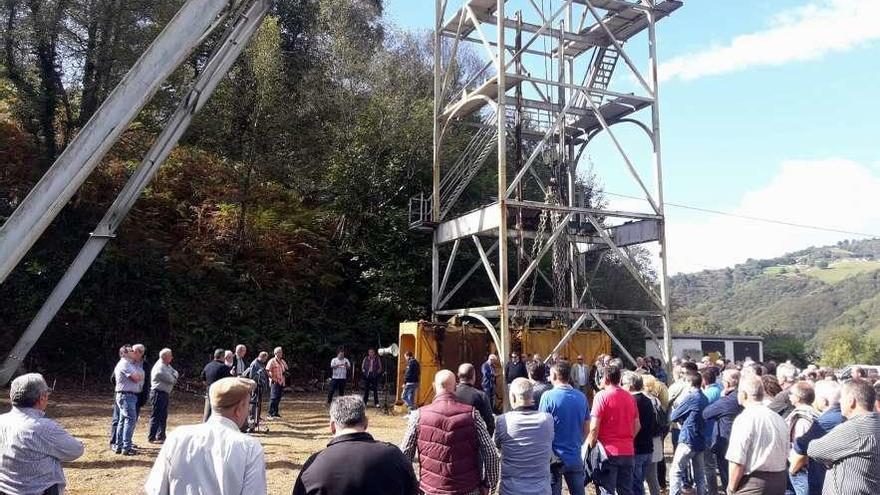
(738, 428)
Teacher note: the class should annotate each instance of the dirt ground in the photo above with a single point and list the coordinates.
(302, 431)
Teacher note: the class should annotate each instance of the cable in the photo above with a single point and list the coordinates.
(755, 219)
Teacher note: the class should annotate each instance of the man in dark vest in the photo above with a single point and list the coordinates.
(456, 453)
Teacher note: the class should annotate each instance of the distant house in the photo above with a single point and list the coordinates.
(735, 347)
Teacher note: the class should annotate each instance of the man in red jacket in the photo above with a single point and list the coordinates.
(453, 444)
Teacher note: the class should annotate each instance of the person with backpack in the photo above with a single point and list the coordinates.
(799, 422)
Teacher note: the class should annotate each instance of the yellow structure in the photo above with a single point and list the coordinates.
(444, 345)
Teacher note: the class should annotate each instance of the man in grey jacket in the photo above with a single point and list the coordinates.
(162, 380)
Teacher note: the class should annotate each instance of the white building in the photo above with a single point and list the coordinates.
(734, 347)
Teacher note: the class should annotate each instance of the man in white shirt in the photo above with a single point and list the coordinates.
(759, 443)
(339, 367)
(213, 457)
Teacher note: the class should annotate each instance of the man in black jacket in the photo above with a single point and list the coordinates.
(411, 378)
(214, 371)
(466, 393)
(514, 369)
(353, 462)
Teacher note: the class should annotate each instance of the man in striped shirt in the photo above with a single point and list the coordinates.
(852, 449)
(32, 446)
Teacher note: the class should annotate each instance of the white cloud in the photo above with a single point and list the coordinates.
(834, 193)
(804, 33)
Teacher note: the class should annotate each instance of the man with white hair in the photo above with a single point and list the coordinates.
(786, 374)
(487, 369)
(827, 395)
(162, 380)
(852, 450)
(277, 371)
(214, 456)
(239, 364)
(129, 382)
(353, 462)
(32, 446)
(454, 448)
(758, 445)
(524, 437)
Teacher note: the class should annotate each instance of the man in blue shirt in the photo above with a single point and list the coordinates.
(828, 401)
(712, 391)
(571, 423)
(723, 412)
(691, 440)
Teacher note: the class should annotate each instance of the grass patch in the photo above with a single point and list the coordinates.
(842, 270)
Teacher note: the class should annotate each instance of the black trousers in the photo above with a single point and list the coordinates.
(336, 384)
(275, 394)
(158, 415)
(371, 382)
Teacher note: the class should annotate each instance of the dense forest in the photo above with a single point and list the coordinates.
(815, 303)
(281, 219)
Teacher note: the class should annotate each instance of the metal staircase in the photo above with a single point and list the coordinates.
(602, 68)
(456, 180)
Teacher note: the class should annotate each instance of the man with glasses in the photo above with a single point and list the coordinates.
(32, 446)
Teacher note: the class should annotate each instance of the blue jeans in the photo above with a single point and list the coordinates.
(641, 464)
(682, 462)
(616, 476)
(800, 482)
(114, 424)
(721, 460)
(574, 479)
(276, 390)
(127, 419)
(409, 395)
(159, 415)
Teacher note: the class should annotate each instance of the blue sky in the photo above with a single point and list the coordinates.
(769, 109)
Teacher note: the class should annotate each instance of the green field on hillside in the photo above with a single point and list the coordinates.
(835, 273)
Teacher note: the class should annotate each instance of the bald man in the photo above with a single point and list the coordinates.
(455, 450)
(467, 393)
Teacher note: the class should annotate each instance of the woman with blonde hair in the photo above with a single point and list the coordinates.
(659, 395)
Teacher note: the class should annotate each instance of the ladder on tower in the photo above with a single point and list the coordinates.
(601, 69)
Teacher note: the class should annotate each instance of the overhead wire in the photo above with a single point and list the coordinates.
(751, 218)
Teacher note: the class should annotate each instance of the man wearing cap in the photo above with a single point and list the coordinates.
(214, 456)
(32, 446)
(353, 462)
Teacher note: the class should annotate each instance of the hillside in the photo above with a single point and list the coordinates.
(802, 299)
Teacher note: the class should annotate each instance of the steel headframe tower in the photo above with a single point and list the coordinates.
(536, 105)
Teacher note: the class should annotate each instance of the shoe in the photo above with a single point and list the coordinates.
(117, 451)
(157, 442)
(130, 452)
